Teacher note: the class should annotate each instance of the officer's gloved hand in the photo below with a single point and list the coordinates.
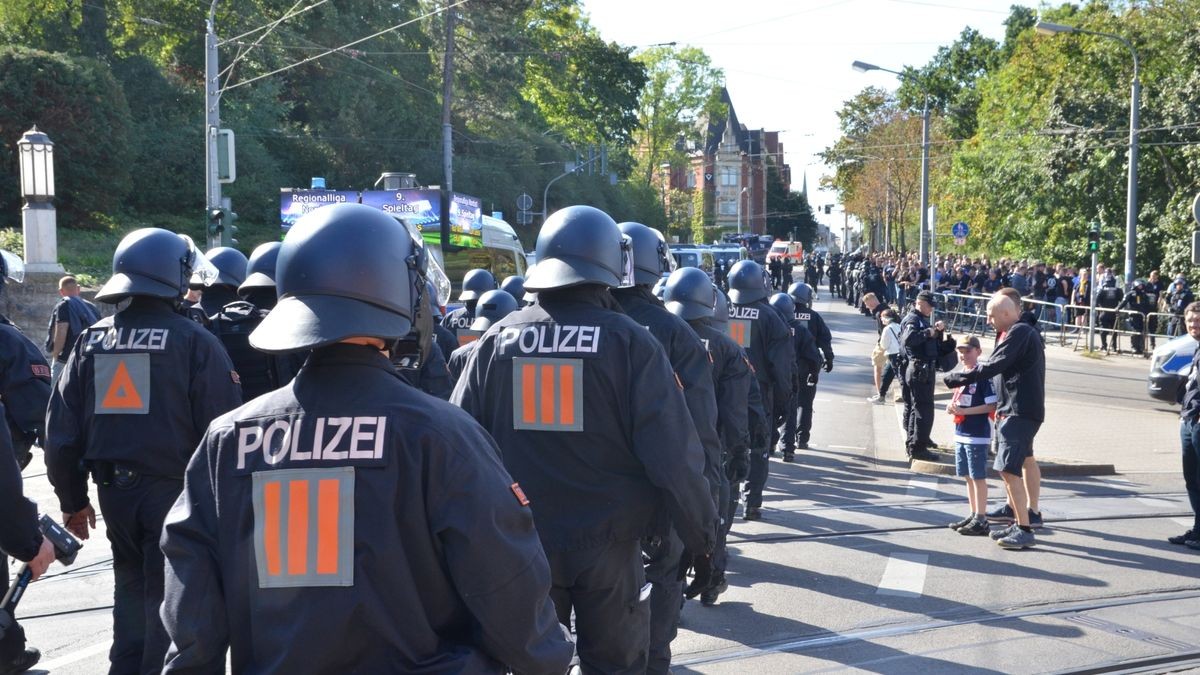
(702, 566)
(829, 364)
(738, 468)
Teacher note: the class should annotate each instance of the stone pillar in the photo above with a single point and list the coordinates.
(39, 221)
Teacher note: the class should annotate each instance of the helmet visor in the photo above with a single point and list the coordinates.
(668, 262)
(627, 276)
(203, 271)
(14, 267)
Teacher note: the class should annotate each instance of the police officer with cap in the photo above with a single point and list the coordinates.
(363, 526)
(515, 286)
(137, 392)
(802, 295)
(690, 296)
(259, 372)
(807, 366)
(692, 366)
(475, 283)
(578, 396)
(759, 330)
(231, 267)
(920, 339)
(493, 306)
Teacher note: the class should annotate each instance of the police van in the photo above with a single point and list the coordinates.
(694, 257)
(1170, 366)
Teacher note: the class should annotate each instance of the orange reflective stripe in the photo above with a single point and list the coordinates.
(528, 382)
(327, 526)
(566, 386)
(271, 499)
(297, 552)
(548, 395)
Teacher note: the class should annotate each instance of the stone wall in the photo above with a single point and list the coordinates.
(29, 304)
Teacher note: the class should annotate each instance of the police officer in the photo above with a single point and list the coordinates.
(809, 318)
(475, 283)
(231, 268)
(690, 361)
(690, 296)
(363, 526)
(21, 538)
(492, 306)
(1108, 298)
(759, 330)
(259, 372)
(1140, 301)
(133, 400)
(804, 379)
(24, 379)
(920, 340)
(578, 395)
(515, 286)
(835, 276)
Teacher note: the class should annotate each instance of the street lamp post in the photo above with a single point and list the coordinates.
(739, 208)
(1135, 95)
(35, 154)
(923, 247)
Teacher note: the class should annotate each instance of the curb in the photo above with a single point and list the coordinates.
(1050, 468)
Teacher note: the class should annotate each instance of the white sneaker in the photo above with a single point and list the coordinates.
(876, 399)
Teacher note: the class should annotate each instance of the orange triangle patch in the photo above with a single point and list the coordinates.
(122, 393)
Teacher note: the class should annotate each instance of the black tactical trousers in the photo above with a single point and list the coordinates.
(13, 643)
(664, 556)
(920, 420)
(604, 586)
(134, 509)
(726, 508)
(758, 456)
(804, 399)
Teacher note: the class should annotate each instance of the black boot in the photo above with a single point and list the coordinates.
(22, 662)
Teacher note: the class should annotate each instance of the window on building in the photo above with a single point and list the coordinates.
(691, 179)
(729, 207)
(729, 176)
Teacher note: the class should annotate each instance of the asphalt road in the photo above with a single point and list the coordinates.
(852, 567)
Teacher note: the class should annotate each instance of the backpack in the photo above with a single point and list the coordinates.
(258, 371)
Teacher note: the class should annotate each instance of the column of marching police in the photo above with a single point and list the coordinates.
(605, 414)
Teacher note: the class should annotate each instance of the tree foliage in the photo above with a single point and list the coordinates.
(682, 90)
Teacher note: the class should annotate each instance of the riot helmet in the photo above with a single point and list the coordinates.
(493, 306)
(155, 263)
(11, 267)
(689, 294)
(747, 282)
(344, 270)
(783, 305)
(260, 270)
(720, 313)
(231, 265)
(476, 283)
(801, 293)
(515, 286)
(651, 257)
(580, 245)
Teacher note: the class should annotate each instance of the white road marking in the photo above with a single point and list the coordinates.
(922, 485)
(846, 447)
(1157, 502)
(1186, 522)
(904, 575)
(75, 656)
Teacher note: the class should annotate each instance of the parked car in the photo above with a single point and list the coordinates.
(694, 257)
(1170, 366)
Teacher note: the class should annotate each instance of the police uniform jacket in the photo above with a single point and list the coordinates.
(446, 340)
(591, 420)
(732, 378)
(691, 363)
(768, 344)
(456, 362)
(24, 387)
(918, 345)
(810, 319)
(138, 391)
(20, 536)
(350, 523)
(459, 319)
(808, 356)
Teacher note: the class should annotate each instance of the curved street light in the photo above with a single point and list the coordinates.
(1135, 93)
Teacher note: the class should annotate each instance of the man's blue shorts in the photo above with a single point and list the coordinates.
(970, 460)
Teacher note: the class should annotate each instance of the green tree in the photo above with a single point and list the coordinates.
(683, 88)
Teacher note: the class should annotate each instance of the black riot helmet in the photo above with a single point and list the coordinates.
(514, 286)
(801, 293)
(260, 270)
(720, 313)
(580, 245)
(231, 265)
(344, 270)
(651, 257)
(747, 282)
(493, 306)
(689, 294)
(784, 306)
(155, 263)
(476, 283)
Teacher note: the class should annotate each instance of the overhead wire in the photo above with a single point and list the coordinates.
(243, 51)
(270, 26)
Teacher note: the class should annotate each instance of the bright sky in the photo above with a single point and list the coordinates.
(787, 62)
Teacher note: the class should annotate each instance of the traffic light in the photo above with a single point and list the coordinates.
(1093, 238)
(229, 234)
(221, 229)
